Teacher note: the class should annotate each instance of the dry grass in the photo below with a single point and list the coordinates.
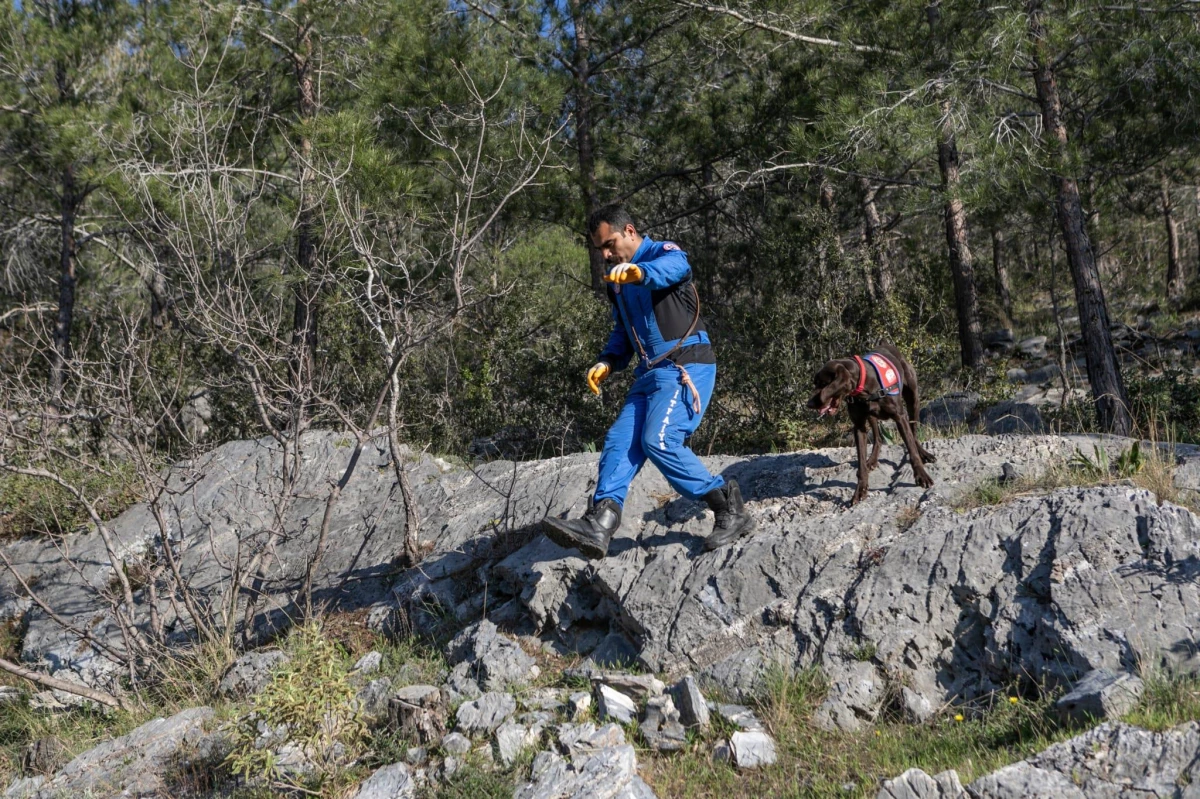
(907, 516)
(1148, 467)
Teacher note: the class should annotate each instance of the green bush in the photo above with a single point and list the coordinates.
(311, 695)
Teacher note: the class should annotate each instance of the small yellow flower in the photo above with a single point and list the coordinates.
(1012, 700)
(958, 716)
(877, 732)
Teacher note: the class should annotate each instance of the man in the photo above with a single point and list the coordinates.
(656, 319)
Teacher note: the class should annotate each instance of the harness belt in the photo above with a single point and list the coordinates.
(684, 377)
(886, 372)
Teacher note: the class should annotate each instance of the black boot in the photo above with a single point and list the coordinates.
(591, 534)
(733, 521)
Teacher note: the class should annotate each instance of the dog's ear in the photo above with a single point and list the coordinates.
(843, 374)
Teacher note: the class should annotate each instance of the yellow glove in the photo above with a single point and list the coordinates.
(624, 273)
(597, 375)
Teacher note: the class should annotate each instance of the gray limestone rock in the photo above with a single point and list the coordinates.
(693, 710)
(216, 505)
(374, 698)
(389, 782)
(660, 725)
(579, 703)
(494, 660)
(638, 687)
(740, 716)
(753, 749)
(610, 772)
(950, 410)
(136, 764)
(1034, 347)
(957, 604)
(450, 767)
(916, 784)
(1002, 339)
(1044, 374)
(43, 756)
(543, 576)
(369, 663)
(576, 739)
(615, 651)
(483, 715)
(513, 738)
(15, 608)
(456, 744)
(1010, 416)
(855, 692)
(10, 695)
(612, 704)
(550, 700)
(1100, 695)
(250, 673)
(460, 685)
(917, 709)
(1113, 760)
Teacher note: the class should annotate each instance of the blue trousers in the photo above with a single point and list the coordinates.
(656, 418)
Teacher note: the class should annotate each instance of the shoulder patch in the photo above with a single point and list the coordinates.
(671, 246)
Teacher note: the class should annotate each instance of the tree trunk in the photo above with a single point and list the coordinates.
(1112, 404)
(1001, 267)
(1198, 231)
(872, 227)
(962, 267)
(830, 209)
(307, 290)
(1175, 281)
(67, 260)
(583, 139)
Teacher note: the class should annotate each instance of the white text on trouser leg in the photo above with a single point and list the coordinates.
(662, 431)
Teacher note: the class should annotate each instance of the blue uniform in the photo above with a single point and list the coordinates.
(658, 413)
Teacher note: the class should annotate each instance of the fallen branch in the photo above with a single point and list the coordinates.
(46, 681)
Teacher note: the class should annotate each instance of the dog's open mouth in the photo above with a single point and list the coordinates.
(830, 407)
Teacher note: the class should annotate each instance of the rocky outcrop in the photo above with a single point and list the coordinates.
(1113, 760)
(134, 765)
(589, 762)
(902, 589)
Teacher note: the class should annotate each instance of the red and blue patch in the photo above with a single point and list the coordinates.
(886, 371)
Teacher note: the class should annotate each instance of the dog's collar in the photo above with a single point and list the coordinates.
(862, 377)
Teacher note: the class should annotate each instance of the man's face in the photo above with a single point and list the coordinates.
(617, 246)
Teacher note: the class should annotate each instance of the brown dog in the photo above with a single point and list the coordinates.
(856, 382)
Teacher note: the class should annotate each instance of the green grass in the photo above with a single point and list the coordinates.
(813, 763)
(475, 780)
(816, 763)
(1167, 702)
(32, 505)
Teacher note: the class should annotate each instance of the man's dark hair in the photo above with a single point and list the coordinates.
(615, 215)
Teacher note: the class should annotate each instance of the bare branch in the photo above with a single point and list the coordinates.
(799, 37)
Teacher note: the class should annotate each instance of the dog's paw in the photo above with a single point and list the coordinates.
(928, 457)
(924, 481)
(860, 494)
(872, 464)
